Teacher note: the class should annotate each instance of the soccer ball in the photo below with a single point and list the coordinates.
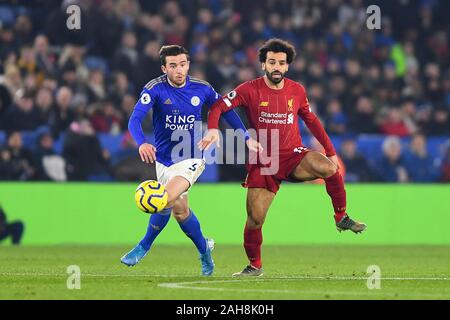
(151, 196)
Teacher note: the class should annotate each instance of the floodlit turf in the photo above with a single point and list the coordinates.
(169, 272)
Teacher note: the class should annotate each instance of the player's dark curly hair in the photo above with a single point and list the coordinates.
(172, 50)
(277, 45)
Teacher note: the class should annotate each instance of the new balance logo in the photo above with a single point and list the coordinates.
(264, 104)
(299, 149)
(168, 101)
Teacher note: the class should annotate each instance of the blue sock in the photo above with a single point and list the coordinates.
(157, 222)
(191, 227)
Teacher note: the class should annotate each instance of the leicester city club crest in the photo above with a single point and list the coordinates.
(195, 101)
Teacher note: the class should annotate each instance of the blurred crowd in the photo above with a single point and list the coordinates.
(76, 84)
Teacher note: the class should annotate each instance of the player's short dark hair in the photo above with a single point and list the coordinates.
(277, 45)
(172, 50)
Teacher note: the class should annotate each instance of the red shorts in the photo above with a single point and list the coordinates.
(256, 177)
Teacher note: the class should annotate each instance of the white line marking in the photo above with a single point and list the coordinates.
(264, 278)
(189, 285)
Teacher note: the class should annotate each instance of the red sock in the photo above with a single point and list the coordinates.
(335, 189)
(252, 244)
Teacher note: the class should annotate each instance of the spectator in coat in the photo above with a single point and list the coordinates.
(391, 166)
(419, 164)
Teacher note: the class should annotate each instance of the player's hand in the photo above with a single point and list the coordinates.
(335, 160)
(147, 153)
(254, 145)
(211, 137)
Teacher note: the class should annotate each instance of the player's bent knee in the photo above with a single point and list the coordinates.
(332, 169)
(327, 170)
(180, 215)
(255, 222)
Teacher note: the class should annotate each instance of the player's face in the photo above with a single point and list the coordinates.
(176, 68)
(275, 66)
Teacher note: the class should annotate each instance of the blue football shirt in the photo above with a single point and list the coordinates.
(176, 116)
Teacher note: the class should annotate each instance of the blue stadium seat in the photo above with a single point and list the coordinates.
(96, 62)
(7, 16)
(100, 178)
(113, 143)
(370, 145)
(29, 139)
(437, 146)
(2, 138)
(337, 141)
(58, 144)
(211, 173)
(110, 142)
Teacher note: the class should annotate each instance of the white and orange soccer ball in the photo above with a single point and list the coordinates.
(151, 196)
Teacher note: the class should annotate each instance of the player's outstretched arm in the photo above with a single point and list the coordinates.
(226, 103)
(211, 137)
(224, 106)
(315, 126)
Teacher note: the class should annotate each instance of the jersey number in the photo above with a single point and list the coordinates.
(193, 167)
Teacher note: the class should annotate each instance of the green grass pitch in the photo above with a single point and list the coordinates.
(172, 272)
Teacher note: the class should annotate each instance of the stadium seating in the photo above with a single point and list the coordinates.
(370, 146)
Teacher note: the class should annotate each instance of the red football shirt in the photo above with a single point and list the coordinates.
(271, 109)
